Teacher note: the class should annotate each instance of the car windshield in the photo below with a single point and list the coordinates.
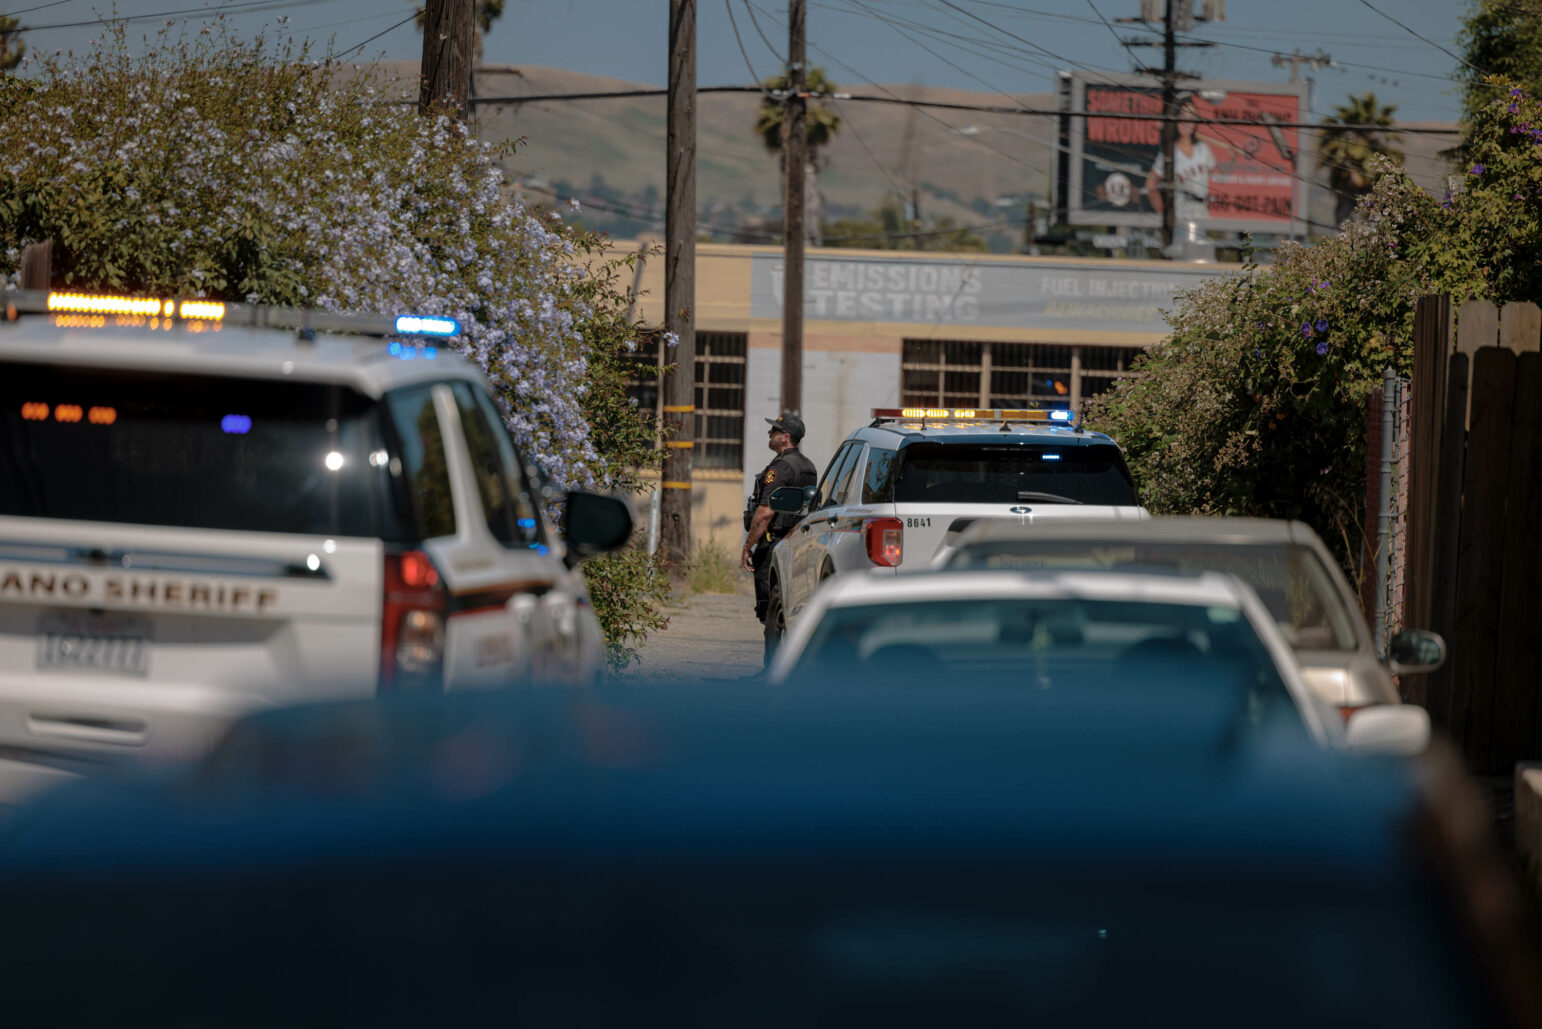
(1013, 473)
(1289, 578)
(194, 451)
(1044, 643)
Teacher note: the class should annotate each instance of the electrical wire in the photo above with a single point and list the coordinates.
(29, 10)
(1431, 42)
(728, 6)
(763, 38)
(344, 53)
(1112, 31)
(852, 128)
(194, 13)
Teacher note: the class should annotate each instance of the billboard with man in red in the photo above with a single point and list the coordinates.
(1239, 161)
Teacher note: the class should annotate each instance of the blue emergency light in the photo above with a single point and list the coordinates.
(426, 325)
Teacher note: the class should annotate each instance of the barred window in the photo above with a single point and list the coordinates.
(965, 373)
(719, 399)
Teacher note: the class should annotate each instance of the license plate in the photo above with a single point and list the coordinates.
(115, 644)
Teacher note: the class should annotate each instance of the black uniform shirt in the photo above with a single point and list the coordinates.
(789, 468)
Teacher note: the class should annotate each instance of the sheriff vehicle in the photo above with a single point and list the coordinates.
(208, 508)
(910, 482)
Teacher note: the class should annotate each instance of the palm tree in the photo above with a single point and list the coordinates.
(822, 123)
(11, 46)
(1346, 152)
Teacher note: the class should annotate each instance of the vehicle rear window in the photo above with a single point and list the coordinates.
(1013, 473)
(195, 451)
(1289, 578)
(1048, 643)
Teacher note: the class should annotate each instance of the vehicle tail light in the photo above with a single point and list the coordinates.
(885, 540)
(412, 624)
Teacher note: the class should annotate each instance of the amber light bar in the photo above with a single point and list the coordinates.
(91, 310)
(979, 414)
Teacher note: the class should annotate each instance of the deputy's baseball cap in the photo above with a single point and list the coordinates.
(788, 423)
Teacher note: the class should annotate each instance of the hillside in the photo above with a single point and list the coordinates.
(975, 168)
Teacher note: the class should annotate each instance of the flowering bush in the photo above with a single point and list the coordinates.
(1256, 402)
(215, 167)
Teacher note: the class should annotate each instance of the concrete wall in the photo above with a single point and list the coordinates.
(843, 380)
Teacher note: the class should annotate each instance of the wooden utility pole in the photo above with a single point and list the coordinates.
(1177, 16)
(1169, 125)
(794, 156)
(680, 284)
(448, 31)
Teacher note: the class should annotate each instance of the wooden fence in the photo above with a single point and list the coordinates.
(1475, 524)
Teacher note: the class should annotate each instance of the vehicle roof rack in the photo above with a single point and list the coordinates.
(1058, 417)
(98, 308)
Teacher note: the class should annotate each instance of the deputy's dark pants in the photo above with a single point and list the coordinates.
(760, 558)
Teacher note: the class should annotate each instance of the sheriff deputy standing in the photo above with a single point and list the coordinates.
(763, 527)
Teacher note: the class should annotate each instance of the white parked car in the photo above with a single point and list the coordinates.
(202, 513)
(905, 486)
(1285, 562)
(1070, 630)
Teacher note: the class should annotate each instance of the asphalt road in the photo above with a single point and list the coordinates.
(711, 636)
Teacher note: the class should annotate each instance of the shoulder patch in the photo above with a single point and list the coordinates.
(770, 475)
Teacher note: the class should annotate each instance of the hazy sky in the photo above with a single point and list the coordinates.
(1006, 46)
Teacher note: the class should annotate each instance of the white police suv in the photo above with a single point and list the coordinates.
(906, 485)
(208, 508)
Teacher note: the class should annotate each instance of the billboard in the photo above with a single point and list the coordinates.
(1228, 177)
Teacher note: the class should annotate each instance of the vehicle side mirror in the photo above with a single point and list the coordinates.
(1400, 729)
(594, 524)
(792, 499)
(1415, 650)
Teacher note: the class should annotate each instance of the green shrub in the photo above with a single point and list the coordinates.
(629, 589)
(1256, 402)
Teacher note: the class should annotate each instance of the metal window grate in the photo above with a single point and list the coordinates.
(720, 363)
(964, 373)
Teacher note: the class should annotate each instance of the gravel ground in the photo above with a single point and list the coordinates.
(710, 636)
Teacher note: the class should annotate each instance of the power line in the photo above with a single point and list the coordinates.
(1110, 26)
(371, 39)
(29, 10)
(950, 105)
(852, 128)
(1302, 217)
(1431, 42)
(195, 13)
(728, 6)
(759, 32)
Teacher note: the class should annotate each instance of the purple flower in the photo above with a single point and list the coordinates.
(1258, 352)
(1322, 325)
(1322, 348)
(1516, 92)
(1477, 169)
(1306, 329)
(1513, 108)
(1519, 197)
